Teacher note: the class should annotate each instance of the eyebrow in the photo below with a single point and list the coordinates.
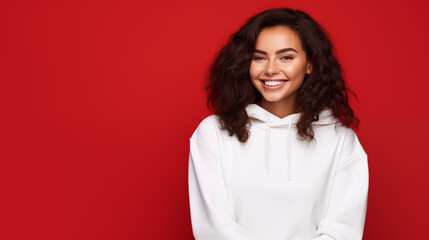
(277, 52)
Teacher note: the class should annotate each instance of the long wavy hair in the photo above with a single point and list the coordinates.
(230, 89)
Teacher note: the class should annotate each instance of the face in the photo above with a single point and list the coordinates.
(278, 65)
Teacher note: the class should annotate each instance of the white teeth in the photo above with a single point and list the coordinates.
(273, 83)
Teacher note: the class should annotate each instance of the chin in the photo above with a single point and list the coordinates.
(272, 99)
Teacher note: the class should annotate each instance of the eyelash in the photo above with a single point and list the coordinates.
(261, 58)
(288, 57)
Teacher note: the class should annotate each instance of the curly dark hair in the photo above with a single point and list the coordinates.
(230, 89)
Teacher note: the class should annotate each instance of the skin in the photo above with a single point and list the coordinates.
(279, 56)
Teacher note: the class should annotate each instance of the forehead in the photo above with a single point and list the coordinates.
(275, 38)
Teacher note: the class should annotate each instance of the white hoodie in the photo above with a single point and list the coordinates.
(274, 186)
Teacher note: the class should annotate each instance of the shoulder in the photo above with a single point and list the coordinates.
(207, 131)
(351, 146)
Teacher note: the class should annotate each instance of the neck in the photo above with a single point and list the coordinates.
(281, 109)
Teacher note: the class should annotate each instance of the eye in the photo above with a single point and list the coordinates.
(258, 58)
(286, 58)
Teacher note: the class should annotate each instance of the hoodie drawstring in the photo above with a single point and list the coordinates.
(289, 158)
(288, 154)
(267, 144)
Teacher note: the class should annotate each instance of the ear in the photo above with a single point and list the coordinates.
(309, 68)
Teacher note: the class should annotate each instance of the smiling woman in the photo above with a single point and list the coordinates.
(278, 160)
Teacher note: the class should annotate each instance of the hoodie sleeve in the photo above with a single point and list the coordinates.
(346, 213)
(212, 215)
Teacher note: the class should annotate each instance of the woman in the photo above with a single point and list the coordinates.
(279, 160)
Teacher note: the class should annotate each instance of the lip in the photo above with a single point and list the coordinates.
(273, 87)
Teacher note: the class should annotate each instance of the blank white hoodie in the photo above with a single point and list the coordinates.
(274, 186)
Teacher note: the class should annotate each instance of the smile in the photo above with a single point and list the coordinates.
(273, 84)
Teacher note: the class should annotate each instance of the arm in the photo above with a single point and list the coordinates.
(346, 213)
(212, 214)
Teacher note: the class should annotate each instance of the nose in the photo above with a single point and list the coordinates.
(271, 68)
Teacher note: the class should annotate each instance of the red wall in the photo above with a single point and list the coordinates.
(98, 100)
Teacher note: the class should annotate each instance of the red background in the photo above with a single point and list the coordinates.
(98, 100)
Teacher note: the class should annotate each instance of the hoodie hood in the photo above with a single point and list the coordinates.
(286, 124)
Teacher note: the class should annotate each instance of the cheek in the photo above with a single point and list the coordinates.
(253, 71)
(253, 75)
(296, 71)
